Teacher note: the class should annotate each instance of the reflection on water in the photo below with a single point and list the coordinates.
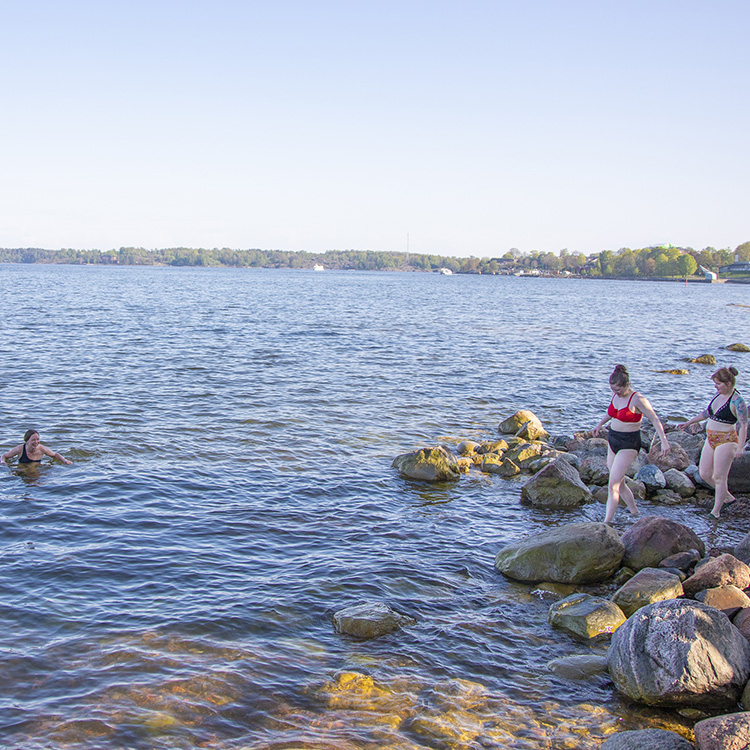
(232, 433)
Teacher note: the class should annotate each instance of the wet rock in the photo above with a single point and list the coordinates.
(554, 591)
(677, 458)
(739, 474)
(646, 739)
(695, 477)
(728, 732)
(679, 653)
(666, 497)
(467, 448)
(652, 477)
(578, 667)
(513, 424)
(651, 539)
(741, 621)
(586, 615)
(724, 597)
(646, 587)
(679, 482)
(681, 560)
(595, 447)
(718, 571)
(524, 453)
(369, 620)
(492, 446)
(532, 430)
(593, 469)
(742, 550)
(557, 485)
(429, 464)
(575, 553)
(738, 348)
(704, 359)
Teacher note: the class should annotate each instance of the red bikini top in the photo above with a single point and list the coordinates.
(625, 414)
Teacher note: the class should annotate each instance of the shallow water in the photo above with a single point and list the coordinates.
(232, 432)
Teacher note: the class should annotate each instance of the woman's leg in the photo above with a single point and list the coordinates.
(706, 464)
(723, 457)
(618, 464)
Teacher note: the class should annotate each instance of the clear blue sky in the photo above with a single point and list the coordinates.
(470, 127)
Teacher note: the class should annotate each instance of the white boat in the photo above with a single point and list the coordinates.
(318, 267)
(446, 272)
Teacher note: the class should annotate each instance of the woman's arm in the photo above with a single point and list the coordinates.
(601, 424)
(52, 453)
(700, 418)
(643, 404)
(13, 452)
(739, 407)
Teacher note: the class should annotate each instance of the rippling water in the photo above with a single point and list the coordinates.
(232, 433)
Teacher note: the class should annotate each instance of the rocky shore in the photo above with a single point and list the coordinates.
(677, 614)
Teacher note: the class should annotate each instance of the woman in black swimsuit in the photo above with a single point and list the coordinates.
(31, 451)
(726, 433)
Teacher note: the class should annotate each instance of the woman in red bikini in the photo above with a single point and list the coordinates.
(31, 451)
(726, 411)
(626, 411)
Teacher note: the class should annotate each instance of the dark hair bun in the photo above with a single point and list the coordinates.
(621, 368)
(733, 370)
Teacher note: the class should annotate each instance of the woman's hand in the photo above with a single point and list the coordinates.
(665, 447)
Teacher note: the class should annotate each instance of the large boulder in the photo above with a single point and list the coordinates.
(724, 597)
(369, 620)
(653, 477)
(728, 732)
(679, 653)
(429, 464)
(718, 571)
(586, 615)
(652, 538)
(691, 444)
(677, 458)
(646, 739)
(513, 424)
(557, 485)
(576, 553)
(739, 474)
(593, 469)
(646, 587)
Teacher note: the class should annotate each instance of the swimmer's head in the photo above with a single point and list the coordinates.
(726, 375)
(28, 435)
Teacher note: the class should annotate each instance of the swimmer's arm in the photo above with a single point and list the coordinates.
(739, 407)
(12, 452)
(54, 455)
(643, 404)
(702, 416)
(601, 424)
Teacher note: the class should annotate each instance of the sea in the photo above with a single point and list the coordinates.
(232, 433)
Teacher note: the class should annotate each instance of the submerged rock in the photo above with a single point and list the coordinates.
(679, 653)
(369, 620)
(576, 553)
(738, 348)
(646, 739)
(578, 667)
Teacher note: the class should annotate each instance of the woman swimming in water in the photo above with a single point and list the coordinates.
(726, 433)
(31, 451)
(624, 437)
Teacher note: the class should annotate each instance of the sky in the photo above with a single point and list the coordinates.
(452, 128)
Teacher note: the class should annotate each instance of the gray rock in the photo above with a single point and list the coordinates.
(728, 732)
(691, 444)
(369, 620)
(679, 653)
(739, 473)
(694, 474)
(557, 485)
(666, 497)
(679, 482)
(586, 615)
(578, 667)
(594, 469)
(646, 739)
(653, 477)
(651, 539)
(681, 560)
(677, 458)
(575, 553)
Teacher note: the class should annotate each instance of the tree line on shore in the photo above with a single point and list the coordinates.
(657, 261)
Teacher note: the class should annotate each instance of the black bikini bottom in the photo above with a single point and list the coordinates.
(623, 441)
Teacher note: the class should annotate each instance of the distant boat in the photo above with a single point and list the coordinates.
(318, 267)
(446, 272)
